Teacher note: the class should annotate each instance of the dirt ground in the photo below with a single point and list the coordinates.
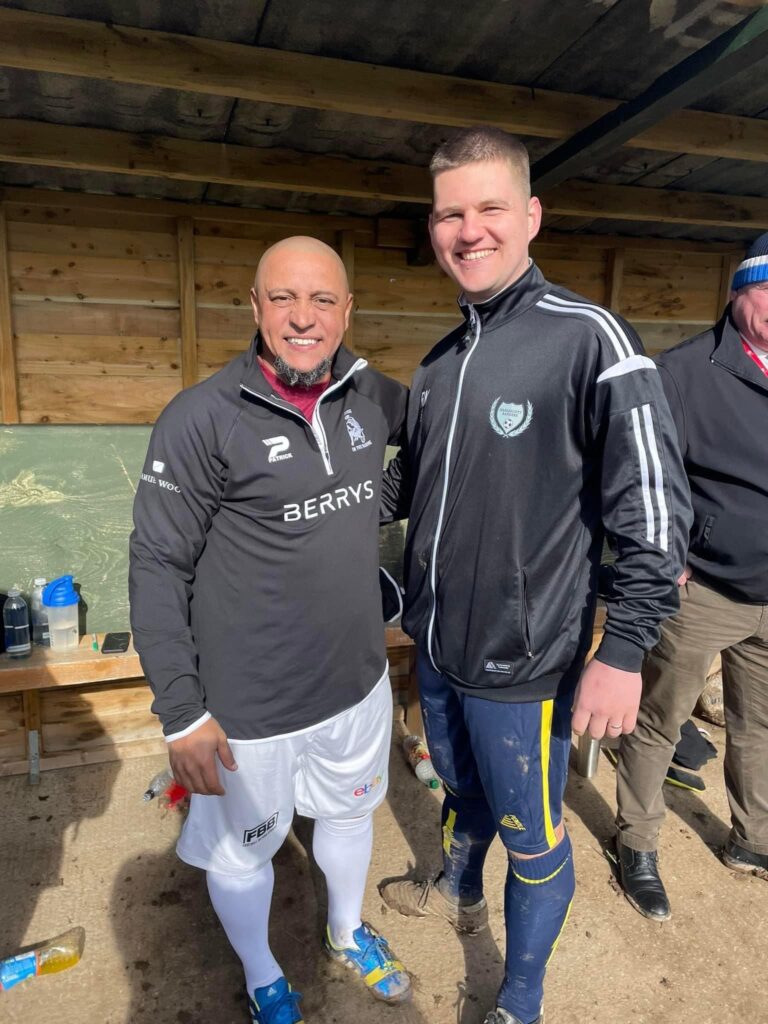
(81, 848)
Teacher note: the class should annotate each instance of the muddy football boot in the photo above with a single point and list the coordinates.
(372, 960)
(424, 899)
(502, 1016)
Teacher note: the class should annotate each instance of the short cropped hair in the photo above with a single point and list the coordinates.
(481, 142)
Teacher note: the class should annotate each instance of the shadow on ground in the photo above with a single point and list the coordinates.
(165, 925)
(37, 822)
(417, 814)
(583, 798)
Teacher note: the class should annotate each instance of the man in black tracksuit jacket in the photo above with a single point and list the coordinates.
(256, 610)
(533, 428)
(717, 385)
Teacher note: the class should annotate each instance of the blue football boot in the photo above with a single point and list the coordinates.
(275, 1004)
(373, 961)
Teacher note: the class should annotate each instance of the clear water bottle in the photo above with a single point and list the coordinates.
(158, 784)
(40, 634)
(418, 758)
(16, 625)
(60, 600)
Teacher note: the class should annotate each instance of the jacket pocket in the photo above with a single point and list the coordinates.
(702, 535)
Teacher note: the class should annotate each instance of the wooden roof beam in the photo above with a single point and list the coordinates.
(60, 45)
(99, 149)
(698, 75)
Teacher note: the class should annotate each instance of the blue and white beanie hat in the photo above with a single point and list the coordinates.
(755, 265)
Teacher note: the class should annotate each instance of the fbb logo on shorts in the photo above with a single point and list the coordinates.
(254, 835)
(364, 790)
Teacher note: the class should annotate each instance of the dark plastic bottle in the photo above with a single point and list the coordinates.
(16, 624)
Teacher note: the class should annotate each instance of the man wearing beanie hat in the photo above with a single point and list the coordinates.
(717, 387)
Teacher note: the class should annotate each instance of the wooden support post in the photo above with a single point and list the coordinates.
(33, 733)
(9, 399)
(614, 279)
(346, 245)
(730, 263)
(185, 233)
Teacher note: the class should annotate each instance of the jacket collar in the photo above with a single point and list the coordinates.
(508, 303)
(254, 379)
(729, 353)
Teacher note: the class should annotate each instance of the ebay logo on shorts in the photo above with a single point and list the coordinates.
(364, 790)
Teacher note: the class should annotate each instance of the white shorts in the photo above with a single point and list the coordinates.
(336, 769)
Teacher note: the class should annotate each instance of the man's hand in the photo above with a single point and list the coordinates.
(606, 701)
(193, 759)
(684, 576)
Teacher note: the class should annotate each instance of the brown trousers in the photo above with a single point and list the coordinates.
(674, 675)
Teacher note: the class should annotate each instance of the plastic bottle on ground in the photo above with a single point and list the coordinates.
(418, 758)
(39, 613)
(18, 643)
(48, 958)
(158, 784)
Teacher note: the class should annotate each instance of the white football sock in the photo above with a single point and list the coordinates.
(342, 849)
(242, 906)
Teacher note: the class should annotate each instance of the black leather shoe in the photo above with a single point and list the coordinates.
(639, 876)
(738, 859)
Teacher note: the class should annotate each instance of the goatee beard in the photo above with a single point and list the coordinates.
(300, 378)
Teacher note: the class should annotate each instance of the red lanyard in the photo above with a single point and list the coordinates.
(754, 357)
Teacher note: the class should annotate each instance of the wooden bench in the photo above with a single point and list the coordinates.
(110, 718)
(66, 708)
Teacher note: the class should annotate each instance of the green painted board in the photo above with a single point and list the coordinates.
(66, 495)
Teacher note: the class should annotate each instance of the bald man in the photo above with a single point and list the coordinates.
(256, 611)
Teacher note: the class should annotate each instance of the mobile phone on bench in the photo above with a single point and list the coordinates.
(115, 643)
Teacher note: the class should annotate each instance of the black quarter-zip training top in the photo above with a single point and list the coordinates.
(532, 429)
(254, 556)
(719, 399)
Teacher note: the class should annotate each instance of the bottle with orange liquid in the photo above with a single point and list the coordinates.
(49, 957)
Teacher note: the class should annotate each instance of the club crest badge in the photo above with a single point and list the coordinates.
(509, 419)
(356, 433)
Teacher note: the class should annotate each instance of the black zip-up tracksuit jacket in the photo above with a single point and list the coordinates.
(533, 428)
(719, 400)
(254, 557)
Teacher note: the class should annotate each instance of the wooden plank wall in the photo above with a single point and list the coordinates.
(116, 304)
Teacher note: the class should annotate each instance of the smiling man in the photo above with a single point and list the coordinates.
(533, 429)
(717, 385)
(256, 611)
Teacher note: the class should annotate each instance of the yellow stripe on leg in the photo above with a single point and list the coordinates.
(562, 927)
(547, 709)
(448, 828)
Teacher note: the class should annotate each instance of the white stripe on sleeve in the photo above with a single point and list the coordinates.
(604, 317)
(647, 502)
(658, 479)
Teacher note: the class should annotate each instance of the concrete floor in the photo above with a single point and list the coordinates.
(82, 849)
